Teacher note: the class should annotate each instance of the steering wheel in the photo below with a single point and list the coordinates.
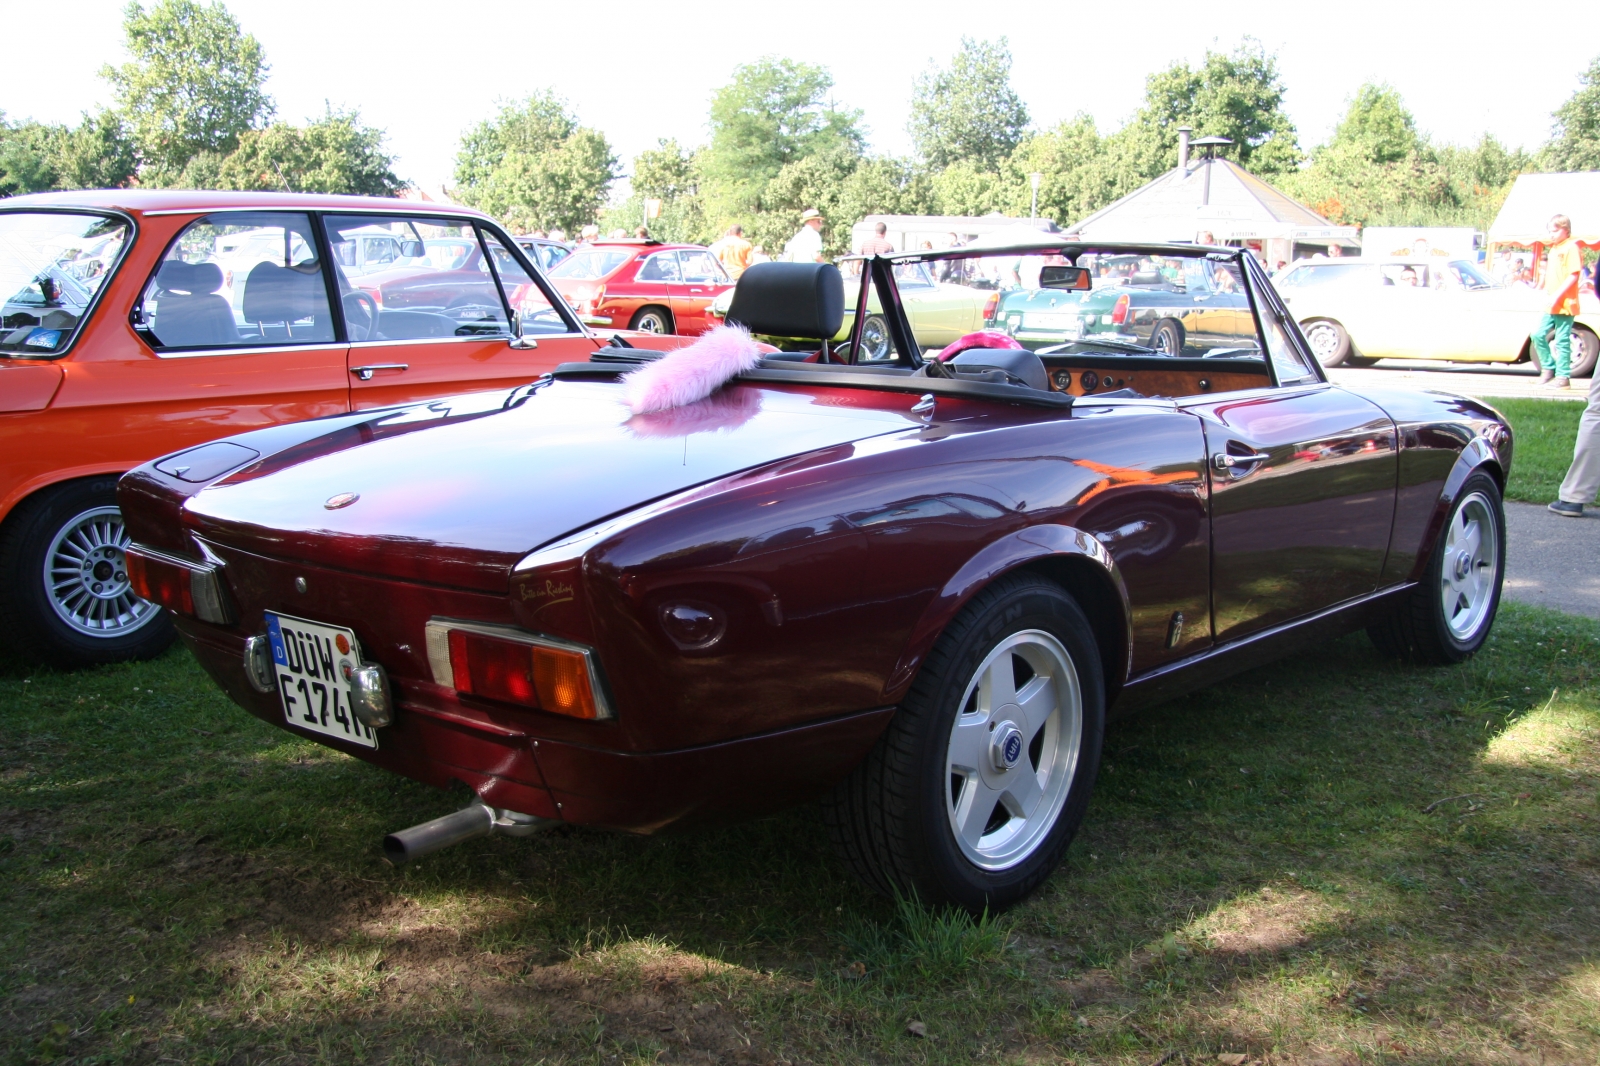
(359, 304)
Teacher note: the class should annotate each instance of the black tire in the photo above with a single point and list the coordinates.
(1328, 340)
(130, 628)
(894, 817)
(876, 347)
(1167, 338)
(1422, 629)
(1585, 352)
(652, 320)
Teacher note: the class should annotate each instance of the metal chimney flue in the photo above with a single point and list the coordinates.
(1183, 147)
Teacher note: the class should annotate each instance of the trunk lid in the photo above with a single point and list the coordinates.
(458, 500)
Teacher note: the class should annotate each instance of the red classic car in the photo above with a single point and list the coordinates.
(915, 589)
(643, 285)
(138, 322)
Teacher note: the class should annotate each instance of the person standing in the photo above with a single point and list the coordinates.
(806, 245)
(1578, 488)
(1562, 269)
(878, 243)
(733, 251)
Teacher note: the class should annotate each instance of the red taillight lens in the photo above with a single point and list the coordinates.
(192, 589)
(990, 306)
(515, 671)
(1119, 313)
(162, 583)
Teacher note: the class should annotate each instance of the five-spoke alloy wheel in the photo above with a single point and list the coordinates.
(974, 791)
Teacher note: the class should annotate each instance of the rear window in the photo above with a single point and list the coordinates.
(1306, 276)
(590, 264)
(52, 266)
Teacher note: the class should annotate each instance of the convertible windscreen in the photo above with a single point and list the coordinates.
(52, 265)
(590, 265)
(1110, 304)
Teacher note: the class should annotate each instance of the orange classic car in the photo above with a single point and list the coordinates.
(137, 323)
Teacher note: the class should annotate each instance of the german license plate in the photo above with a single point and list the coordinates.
(1050, 320)
(312, 661)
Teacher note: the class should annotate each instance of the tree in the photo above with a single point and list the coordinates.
(1575, 138)
(1074, 179)
(1378, 126)
(34, 157)
(535, 167)
(1236, 94)
(968, 112)
(335, 154)
(195, 82)
(665, 173)
(774, 113)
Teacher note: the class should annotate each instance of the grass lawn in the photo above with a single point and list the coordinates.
(1335, 859)
(1544, 432)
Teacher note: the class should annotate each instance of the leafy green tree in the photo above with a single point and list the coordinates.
(1378, 126)
(24, 158)
(968, 112)
(34, 157)
(774, 113)
(1575, 138)
(336, 154)
(194, 85)
(1074, 179)
(1236, 94)
(534, 166)
(665, 173)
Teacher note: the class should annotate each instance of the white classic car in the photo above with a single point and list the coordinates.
(1358, 310)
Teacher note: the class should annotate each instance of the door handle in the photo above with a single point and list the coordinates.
(1231, 463)
(365, 373)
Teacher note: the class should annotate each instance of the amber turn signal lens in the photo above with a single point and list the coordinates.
(549, 679)
(162, 583)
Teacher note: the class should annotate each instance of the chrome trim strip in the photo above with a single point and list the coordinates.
(437, 629)
(402, 207)
(265, 349)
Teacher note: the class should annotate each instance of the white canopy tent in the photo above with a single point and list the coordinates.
(1524, 219)
(1219, 197)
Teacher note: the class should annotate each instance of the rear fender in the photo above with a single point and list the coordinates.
(1068, 556)
(1479, 454)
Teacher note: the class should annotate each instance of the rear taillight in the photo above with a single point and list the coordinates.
(1119, 313)
(594, 301)
(184, 587)
(514, 666)
(990, 306)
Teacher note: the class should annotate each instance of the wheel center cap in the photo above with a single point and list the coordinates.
(1005, 749)
(1463, 564)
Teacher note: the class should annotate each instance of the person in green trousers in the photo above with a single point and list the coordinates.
(1562, 271)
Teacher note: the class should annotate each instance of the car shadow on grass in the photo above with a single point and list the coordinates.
(1332, 856)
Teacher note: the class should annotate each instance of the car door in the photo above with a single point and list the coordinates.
(439, 325)
(199, 369)
(1477, 319)
(658, 282)
(1302, 490)
(703, 280)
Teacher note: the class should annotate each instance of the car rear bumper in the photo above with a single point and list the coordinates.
(520, 771)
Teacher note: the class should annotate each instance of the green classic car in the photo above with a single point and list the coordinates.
(1172, 306)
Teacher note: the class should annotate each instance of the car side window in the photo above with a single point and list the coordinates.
(237, 280)
(701, 267)
(435, 285)
(528, 301)
(662, 266)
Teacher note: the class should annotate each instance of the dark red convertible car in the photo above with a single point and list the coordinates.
(915, 589)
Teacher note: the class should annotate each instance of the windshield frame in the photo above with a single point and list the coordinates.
(572, 257)
(93, 305)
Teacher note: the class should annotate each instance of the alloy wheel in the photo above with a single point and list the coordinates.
(86, 576)
(1013, 750)
(1471, 561)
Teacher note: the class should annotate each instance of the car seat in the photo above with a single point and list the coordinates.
(189, 313)
(280, 300)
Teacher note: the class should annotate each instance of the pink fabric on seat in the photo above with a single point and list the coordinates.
(984, 338)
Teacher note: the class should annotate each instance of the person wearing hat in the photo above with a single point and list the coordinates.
(806, 246)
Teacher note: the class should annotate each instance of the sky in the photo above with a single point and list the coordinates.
(642, 71)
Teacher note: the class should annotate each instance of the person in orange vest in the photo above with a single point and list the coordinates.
(1562, 271)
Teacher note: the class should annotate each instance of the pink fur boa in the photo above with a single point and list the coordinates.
(984, 338)
(693, 372)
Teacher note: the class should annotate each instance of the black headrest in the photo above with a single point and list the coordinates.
(804, 300)
(274, 293)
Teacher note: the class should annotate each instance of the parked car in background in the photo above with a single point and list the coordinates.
(1358, 310)
(642, 285)
(913, 590)
(544, 252)
(136, 322)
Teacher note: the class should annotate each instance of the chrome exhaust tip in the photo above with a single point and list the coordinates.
(478, 820)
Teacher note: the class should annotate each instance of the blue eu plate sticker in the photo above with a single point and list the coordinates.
(275, 636)
(43, 338)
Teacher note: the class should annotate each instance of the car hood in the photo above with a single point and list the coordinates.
(458, 499)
